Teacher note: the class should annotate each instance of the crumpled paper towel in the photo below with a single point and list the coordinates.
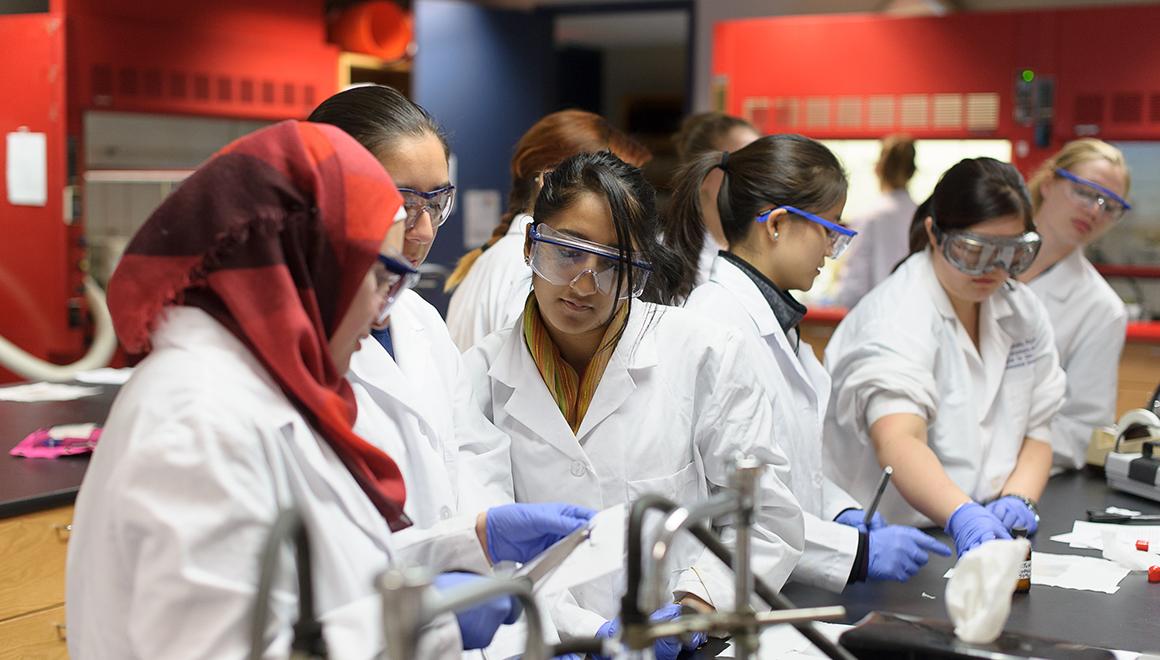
(979, 593)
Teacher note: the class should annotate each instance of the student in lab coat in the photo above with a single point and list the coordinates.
(492, 282)
(408, 376)
(781, 216)
(249, 287)
(947, 370)
(699, 134)
(414, 397)
(884, 229)
(607, 398)
(1079, 194)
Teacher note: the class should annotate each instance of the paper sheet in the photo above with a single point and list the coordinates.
(1073, 572)
(786, 643)
(104, 376)
(1090, 535)
(36, 392)
(601, 555)
(27, 169)
(481, 213)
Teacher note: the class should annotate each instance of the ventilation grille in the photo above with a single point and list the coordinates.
(1127, 108)
(914, 111)
(111, 85)
(982, 112)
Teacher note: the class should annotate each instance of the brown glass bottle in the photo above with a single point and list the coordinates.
(1023, 585)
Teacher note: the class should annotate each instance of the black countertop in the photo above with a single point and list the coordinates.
(1126, 620)
(32, 484)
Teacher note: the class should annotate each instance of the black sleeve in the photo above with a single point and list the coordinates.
(861, 565)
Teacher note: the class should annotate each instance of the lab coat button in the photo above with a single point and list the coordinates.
(445, 512)
(578, 469)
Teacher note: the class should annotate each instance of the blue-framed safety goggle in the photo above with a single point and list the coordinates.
(438, 204)
(838, 235)
(393, 275)
(1106, 200)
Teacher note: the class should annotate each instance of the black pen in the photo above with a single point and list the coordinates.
(882, 483)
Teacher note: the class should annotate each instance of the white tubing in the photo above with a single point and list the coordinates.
(20, 362)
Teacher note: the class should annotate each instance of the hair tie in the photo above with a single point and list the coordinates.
(724, 164)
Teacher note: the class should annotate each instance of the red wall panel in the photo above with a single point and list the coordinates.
(34, 281)
(1104, 62)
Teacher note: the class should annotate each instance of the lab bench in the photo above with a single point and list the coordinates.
(36, 498)
(1125, 620)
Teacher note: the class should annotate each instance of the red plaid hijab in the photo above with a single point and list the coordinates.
(273, 236)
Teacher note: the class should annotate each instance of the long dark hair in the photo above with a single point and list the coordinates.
(703, 132)
(549, 141)
(377, 116)
(774, 170)
(632, 201)
(971, 191)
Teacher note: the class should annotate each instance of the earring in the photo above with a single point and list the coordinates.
(775, 235)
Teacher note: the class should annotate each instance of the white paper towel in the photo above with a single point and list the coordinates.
(979, 593)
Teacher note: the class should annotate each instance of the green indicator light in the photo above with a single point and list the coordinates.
(1028, 75)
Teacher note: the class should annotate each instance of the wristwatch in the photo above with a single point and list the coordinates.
(1030, 504)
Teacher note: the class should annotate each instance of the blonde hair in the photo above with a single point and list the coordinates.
(1073, 153)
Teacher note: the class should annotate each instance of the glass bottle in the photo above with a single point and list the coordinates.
(1023, 585)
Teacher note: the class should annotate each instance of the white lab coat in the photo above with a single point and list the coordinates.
(883, 240)
(419, 408)
(492, 295)
(200, 451)
(903, 350)
(677, 402)
(802, 390)
(705, 259)
(1089, 321)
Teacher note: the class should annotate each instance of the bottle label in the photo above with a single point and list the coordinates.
(1025, 570)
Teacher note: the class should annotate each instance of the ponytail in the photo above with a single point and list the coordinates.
(684, 224)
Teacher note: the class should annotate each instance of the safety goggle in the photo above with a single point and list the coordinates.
(1093, 196)
(839, 237)
(562, 259)
(438, 204)
(974, 254)
(393, 276)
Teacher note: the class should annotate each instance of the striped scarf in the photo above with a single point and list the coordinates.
(273, 237)
(573, 393)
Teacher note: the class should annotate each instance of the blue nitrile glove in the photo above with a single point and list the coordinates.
(520, 532)
(972, 526)
(855, 518)
(478, 624)
(1014, 512)
(898, 551)
(666, 648)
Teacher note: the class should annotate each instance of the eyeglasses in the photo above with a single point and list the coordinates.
(393, 276)
(1091, 195)
(438, 204)
(975, 254)
(561, 259)
(839, 237)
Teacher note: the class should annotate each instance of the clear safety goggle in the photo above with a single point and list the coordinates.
(393, 276)
(838, 236)
(1092, 196)
(562, 259)
(438, 204)
(974, 254)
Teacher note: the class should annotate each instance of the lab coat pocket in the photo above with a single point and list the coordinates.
(1018, 384)
(681, 486)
